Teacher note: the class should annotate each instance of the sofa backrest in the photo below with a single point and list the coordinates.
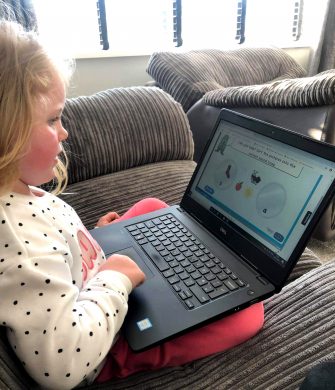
(317, 90)
(122, 128)
(188, 76)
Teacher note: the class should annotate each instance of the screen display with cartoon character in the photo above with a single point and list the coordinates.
(263, 186)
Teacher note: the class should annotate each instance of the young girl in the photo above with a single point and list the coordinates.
(63, 318)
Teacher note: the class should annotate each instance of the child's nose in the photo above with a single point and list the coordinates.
(62, 134)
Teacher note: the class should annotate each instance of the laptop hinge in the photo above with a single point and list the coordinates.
(258, 274)
(190, 214)
(255, 271)
(249, 265)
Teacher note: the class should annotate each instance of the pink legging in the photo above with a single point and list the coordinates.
(207, 340)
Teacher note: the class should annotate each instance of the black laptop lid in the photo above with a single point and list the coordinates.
(261, 190)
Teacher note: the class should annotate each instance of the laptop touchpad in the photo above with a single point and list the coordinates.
(131, 252)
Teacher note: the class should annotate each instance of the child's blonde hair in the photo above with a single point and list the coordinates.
(26, 74)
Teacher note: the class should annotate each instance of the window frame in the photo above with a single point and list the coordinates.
(240, 37)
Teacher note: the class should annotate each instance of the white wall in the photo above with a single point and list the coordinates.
(301, 54)
(96, 74)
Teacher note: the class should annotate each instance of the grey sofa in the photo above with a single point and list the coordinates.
(128, 143)
(188, 75)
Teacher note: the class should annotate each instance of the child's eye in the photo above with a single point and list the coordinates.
(53, 121)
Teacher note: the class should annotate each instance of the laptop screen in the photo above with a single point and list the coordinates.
(261, 187)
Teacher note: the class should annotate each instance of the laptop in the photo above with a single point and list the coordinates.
(244, 220)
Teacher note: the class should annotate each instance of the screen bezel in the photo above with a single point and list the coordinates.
(273, 271)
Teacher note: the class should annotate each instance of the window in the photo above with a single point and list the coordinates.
(210, 25)
(68, 25)
(140, 25)
(143, 26)
(134, 27)
(274, 22)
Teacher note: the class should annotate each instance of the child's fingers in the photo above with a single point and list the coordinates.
(126, 266)
(107, 219)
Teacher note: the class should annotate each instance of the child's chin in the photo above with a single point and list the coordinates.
(47, 179)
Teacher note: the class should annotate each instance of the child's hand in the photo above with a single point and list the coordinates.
(126, 266)
(107, 219)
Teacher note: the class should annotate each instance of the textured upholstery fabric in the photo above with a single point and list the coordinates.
(188, 76)
(12, 374)
(118, 191)
(308, 261)
(316, 90)
(122, 128)
(20, 11)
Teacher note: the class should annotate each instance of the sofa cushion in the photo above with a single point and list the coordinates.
(188, 76)
(120, 190)
(122, 128)
(316, 90)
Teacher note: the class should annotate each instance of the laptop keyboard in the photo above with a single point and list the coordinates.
(194, 273)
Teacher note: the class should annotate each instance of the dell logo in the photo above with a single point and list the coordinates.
(222, 230)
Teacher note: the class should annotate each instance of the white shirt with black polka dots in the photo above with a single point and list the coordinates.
(62, 316)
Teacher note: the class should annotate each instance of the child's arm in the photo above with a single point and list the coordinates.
(60, 334)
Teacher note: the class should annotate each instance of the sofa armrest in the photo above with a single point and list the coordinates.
(123, 128)
(311, 91)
